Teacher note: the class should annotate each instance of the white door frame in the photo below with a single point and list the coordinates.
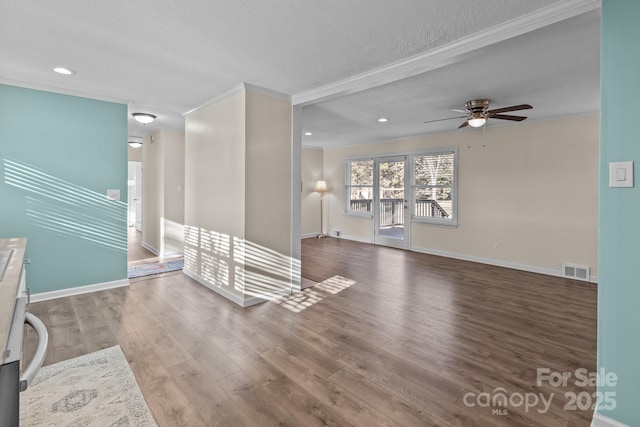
(135, 194)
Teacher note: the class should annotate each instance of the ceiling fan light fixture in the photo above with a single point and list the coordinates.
(144, 118)
(476, 121)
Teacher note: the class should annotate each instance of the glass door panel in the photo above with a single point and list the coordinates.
(391, 205)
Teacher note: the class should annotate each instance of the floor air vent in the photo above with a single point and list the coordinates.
(580, 272)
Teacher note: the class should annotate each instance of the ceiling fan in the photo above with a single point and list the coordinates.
(477, 113)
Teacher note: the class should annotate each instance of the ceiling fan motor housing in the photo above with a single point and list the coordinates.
(477, 106)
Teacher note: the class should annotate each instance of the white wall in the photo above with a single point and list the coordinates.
(163, 171)
(531, 187)
(214, 193)
(312, 171)
(238, 195)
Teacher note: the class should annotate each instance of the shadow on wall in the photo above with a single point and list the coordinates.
(238, 265)
(69, 209)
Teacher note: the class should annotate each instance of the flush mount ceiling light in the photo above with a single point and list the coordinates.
(144, 118)
(308, 133)
(383, 120)
(135, 142)
(64, 71)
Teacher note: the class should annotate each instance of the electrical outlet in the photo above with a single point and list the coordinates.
(496, 246)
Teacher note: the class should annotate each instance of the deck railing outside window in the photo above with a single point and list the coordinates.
(392, 212)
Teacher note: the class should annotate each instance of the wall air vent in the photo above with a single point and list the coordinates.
(573, 271)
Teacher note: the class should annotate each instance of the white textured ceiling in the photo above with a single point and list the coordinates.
(167, 57)
(556, 69)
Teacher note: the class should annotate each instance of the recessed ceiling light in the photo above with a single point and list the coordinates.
(144, 118)
(383, 120)
(63, 71)
(308, 133)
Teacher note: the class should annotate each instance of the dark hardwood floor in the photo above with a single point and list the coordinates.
(399, 339)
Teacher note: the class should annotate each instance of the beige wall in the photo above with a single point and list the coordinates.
(267, 194)
(152, 193)
(163, 169)
(312, 171)
(532, 188)
(134, 154)
(238, 195)
(173, 214)
(268, 171)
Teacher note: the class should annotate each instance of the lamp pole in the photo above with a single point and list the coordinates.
(321, 187)
(321, 235)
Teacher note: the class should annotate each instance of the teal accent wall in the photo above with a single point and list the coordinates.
(619, 211)
(58, 156)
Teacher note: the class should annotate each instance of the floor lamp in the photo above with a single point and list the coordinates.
(321, 187)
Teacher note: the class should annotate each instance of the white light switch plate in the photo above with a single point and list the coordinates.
(621, 174)
(113, 194)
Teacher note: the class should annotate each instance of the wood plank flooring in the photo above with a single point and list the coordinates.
(408, 340)
(136, 253)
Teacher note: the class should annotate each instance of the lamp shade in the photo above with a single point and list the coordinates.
(321, 186)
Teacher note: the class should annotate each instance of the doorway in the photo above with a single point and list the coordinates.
(137, 254)
(391, 207)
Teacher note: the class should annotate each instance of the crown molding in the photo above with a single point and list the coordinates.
(265, 91)
(238, 88)
(62, 91)
(448, 54)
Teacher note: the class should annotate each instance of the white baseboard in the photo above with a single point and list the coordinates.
(171, 254)
(355, 239)
(496, 262)
(160, 254)
(150, 248)
(309, 235)
(600, 420)
(242, 302)
(45, 296)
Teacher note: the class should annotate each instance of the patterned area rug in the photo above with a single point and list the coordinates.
(157, 268)
(97, 389)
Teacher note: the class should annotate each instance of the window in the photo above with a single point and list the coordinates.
(434, 187)
(359, 186)
(432, 178)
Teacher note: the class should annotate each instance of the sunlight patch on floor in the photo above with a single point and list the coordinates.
(334, 285)
(300, 301)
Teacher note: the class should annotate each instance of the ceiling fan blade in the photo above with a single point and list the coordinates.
(448, 118)
(507, 117)
(465, 124)
(458, 110)
(512, 108)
